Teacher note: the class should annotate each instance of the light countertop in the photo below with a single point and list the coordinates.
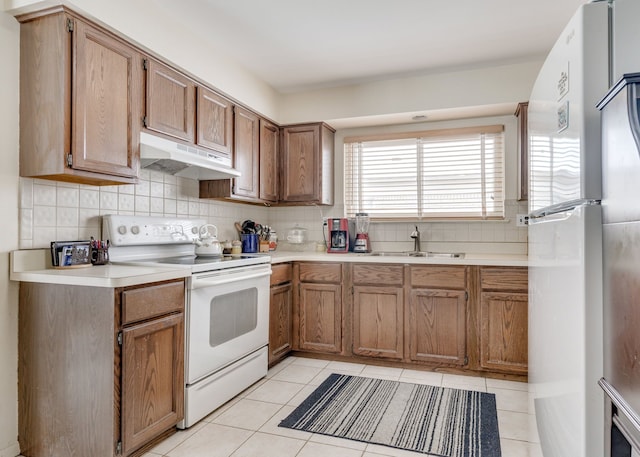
(512, 260)
(34, 266)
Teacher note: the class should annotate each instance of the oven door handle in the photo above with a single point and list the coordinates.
(198, 283)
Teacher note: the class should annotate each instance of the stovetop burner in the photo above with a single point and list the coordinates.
(202, 260)
(201, 264)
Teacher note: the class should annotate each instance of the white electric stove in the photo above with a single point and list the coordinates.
(227, 306)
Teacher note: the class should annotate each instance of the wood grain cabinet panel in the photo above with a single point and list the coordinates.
(378, 321)
(307, 164)
(81, 96)
(504, 336)
(269, 154)
(246, 157)
(437, 326)
(214, 121)
(170, 102)
(280, 322)
(280, 312)
(320, 317)
(153, 379)
(503, 319)
(320, 272)
(318, 302)
(378, 310)
(437, 317)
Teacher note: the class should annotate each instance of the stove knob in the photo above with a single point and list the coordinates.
(135, 229)
(122, 230)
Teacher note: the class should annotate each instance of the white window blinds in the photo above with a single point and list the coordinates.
(444, 174)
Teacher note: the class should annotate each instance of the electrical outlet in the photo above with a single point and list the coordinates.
(522, 220)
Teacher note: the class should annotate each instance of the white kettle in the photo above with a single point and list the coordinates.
(207, 243)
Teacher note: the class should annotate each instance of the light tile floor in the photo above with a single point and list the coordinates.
(247, 426)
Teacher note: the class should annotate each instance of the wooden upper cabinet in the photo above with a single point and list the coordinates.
(246, 153)
(170, 102)
(214, 121)
(307, 164)
(80, 102)
(269, 152)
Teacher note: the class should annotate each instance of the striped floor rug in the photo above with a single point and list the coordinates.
(427, 419)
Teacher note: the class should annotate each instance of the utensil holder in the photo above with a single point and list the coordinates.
(249, 242)
(100, 256)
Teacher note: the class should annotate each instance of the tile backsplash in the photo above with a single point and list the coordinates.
(51, 210)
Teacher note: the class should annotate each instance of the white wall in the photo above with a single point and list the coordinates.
(451, 90)
(9, 54)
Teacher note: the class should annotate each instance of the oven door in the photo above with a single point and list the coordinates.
(227, 318)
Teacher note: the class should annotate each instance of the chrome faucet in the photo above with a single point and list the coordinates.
(416, 239)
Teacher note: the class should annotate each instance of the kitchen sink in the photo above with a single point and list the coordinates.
(445, 255)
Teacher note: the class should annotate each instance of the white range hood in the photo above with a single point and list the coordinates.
(177, 159)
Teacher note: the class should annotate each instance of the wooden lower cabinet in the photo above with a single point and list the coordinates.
(319, 307)
(456, 317)
(503, 319)
(280, 313)
(152, 379)
(437, 326)
(100, 370)
(320, 317)
(378, 311)
(437, 317)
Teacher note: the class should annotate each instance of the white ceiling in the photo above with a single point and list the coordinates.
(298, 45)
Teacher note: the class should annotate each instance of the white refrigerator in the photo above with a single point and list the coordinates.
(565, 225)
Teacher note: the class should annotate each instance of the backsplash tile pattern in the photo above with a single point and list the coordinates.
(499, 237)
(52, 210)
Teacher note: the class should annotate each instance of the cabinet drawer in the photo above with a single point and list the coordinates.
(504, 278)
(147, 302)
(391, 275)
(280, 273)
(439, 277)
(321, 272)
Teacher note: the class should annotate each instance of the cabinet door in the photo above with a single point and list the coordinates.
(269, 144)
(437, 326)
(245, 154)
(503, 336)
(214, 121)
(320, 315)
(170, 102)
(378, 315)
(300, 164)
(153, 379)
(280, 322)
(106, 103)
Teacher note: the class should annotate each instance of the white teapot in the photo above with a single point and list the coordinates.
(207, 243)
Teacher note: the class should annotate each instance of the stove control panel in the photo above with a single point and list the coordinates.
(123, 230)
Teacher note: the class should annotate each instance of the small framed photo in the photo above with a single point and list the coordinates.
(70, 253)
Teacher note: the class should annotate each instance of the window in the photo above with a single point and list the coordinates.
(440, 174)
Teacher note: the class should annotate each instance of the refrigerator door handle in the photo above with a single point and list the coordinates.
(559, 208)
(620, 403)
